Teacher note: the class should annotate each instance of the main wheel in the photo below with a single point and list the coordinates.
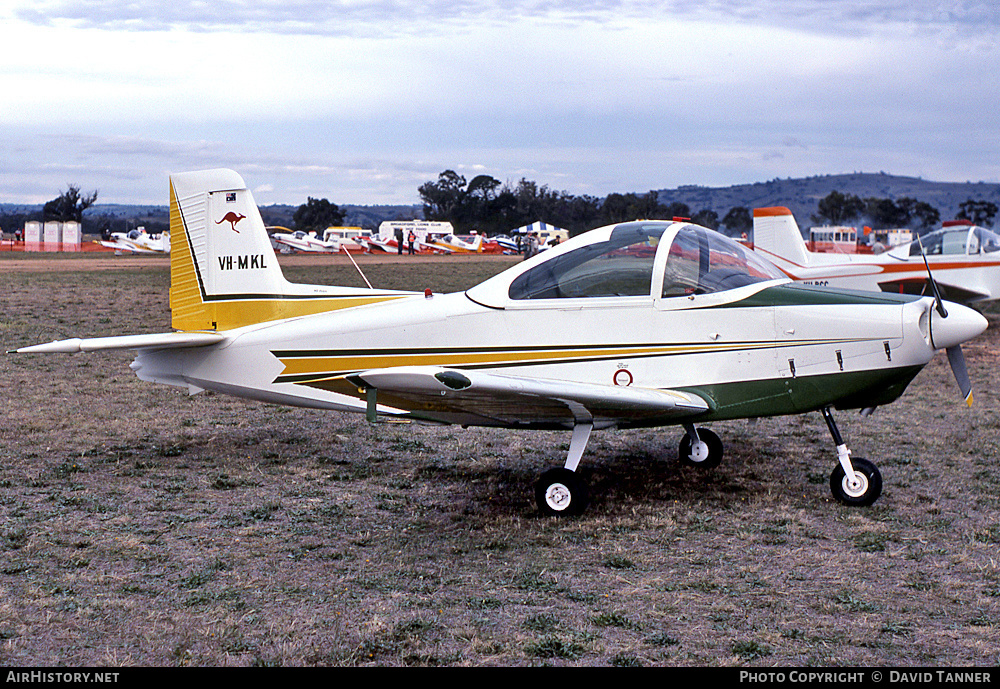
(560, 492)
(707, 453)
(867, 490)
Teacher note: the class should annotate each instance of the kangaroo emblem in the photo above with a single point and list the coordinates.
(232, 218)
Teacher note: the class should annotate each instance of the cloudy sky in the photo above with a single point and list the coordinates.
(361, 101)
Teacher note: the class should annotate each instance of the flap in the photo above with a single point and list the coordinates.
(448, 394)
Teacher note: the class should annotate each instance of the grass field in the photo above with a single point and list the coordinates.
(142, 526)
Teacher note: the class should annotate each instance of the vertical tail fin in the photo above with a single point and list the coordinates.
(776, 234)
(223, 271)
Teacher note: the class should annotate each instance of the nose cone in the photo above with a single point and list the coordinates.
(960, 325)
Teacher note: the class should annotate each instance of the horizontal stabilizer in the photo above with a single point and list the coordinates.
(150, 341)
(442, 393)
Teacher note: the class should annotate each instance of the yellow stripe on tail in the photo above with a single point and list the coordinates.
(224, 273)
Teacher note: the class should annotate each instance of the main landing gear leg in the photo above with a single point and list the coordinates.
(560, 492)
(856, 483)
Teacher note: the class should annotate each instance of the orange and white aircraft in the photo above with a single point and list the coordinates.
(451, 244)
(964, 259)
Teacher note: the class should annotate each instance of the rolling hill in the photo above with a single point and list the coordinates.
(802, 195)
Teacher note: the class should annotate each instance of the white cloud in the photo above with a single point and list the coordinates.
(395, 17)
(363, 101)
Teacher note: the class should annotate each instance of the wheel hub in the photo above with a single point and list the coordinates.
(558, 496)
(855, 488)
(699, 451)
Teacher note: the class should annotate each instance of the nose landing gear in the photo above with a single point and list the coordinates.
(858, 482)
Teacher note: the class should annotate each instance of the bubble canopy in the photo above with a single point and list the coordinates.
(652, 259)
(957, 241)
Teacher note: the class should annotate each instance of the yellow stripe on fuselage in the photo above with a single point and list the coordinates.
(306, 368)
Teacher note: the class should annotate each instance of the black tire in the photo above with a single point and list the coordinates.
(715, 450)
(560, 493)
(865, 494)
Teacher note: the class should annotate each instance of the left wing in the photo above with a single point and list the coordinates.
(117, 246)
(460, 396)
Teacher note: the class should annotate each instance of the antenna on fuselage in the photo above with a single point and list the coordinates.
(356, 266)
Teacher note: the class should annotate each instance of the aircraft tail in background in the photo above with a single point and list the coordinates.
(777, 235)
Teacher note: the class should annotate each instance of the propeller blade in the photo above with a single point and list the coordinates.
(930, 277)
(957, 360)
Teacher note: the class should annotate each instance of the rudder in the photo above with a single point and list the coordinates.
(224, 273)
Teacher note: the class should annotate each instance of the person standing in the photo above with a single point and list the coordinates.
(531, 246)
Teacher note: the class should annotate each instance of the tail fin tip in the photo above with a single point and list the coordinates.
(771, 212)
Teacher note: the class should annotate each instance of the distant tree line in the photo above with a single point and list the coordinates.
(67, 206)
(978, 211)
(491, 207)
(71, 204)
(837, 208)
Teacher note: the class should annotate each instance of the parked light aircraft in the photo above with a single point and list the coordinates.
(307, 242)
(450, 244)
(374, 244)
(965, 260)
(138, 241)
(640, 324)
(504, 243)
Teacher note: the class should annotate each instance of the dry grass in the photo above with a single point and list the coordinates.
(141, 526)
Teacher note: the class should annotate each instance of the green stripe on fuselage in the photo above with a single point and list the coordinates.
(810, 295)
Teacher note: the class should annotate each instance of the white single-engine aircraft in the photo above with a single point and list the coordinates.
(137, 241)
(641, 324)
(307, 242)
(965, 260)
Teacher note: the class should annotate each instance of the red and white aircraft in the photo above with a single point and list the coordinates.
(964, 259)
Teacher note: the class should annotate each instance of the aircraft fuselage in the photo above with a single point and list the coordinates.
(778, 350)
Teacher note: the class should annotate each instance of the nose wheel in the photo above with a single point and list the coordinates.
(857, 482)
(863, 490)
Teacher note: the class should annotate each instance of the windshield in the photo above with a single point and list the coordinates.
(974, 240)
(620, 266)
(701, 262)
(942, 242)
(988, 241)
